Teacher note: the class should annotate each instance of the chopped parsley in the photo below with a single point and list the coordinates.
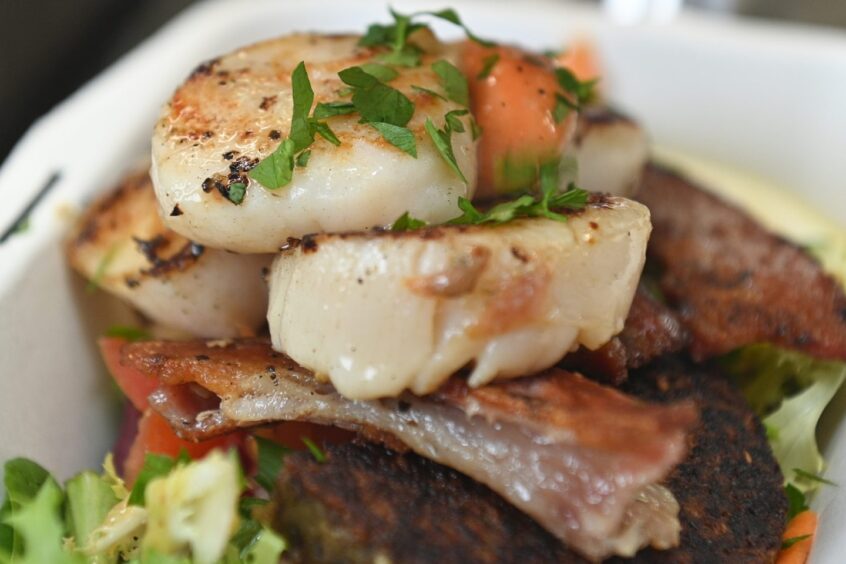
(395, 36)
(374, 100)
(302, 159)
(442, 138)
(331, 109)
(429, 92)
(277, 169)
(382, 72)
(488, 64)
(315, 451)
(128, 333)
(400, 137)
(406, 222)
(236, 192)
(525, 205)
(805, 475)
(453, 82)
(100, 271)
(582, 91)
(787, 543)
(270, 456)
(796, 501)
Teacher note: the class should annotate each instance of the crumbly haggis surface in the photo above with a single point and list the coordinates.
(732, 282)
(368, 501)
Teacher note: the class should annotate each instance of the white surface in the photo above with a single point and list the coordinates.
(763, 98)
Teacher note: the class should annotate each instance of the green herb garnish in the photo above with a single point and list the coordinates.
(302, 158)
(331, 109)
(100, 271)
(395, 36)
(277, 169)
(382, 72)
(406, 222)
(400, 137)
(562, 108)
(796, 501)
(429, 92)
(269, 462)
(128, 333)
(453, 82)
(787, 543)
(155, 466)
(583, 91)
(374, 100)
(236, 192)
(488, 64)
(315, 451)
(805, 475)
(442, 138)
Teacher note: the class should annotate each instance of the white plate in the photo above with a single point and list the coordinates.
(764, 98)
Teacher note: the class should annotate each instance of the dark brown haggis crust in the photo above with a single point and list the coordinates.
(367, 501)
(732, 282)
(652, 330)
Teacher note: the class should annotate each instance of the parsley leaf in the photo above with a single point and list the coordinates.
(562, 108)
(787, 543)
(236, 192)
(443, 143)
(375, 100)
(323, 129)
(269, 462)
(277, 169)
(451, 16)
(315, 451)
(400, 137)
(584, 91)
(796, 502)
(382, 72)
(488, 64)
(452, 121)
(128, 333)
(155, 465)
(805, 475)
(453, 82)
(302, 159)
(302, 133)
(429, 92)
(331, 109)
(406, 222)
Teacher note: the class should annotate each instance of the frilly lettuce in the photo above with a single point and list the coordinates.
(789, 390)
(189, 516)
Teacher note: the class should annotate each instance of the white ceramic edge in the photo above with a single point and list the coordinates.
(49, 144)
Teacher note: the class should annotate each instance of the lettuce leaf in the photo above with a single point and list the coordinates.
(789, 390)
(39, 524)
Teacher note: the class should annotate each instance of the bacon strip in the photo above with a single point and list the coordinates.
(581, 459)
(732, 282)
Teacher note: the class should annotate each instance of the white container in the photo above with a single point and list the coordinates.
(767, 99)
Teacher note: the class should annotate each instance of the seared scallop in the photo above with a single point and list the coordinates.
(381, 312)
(611, 151)
(122, 246)
(234, 111)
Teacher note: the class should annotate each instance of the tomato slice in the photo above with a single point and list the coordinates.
(133, 383)
(155, 436)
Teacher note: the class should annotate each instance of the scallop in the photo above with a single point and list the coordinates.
(122, 246)
(380, 312)
(235, 110)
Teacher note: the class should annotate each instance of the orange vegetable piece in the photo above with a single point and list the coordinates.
(514, 106)
(156, 436)
(133, 383)
(581, 59)
(802, 524)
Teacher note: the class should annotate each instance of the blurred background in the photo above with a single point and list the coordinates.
(55, 46)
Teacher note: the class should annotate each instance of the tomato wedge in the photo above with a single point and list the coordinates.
(134, 384)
